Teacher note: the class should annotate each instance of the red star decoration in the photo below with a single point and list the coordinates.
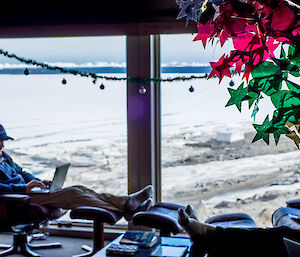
(204, 32)
(282, 18)
(238, 66)
(221, 68)
(248, 69)
(223, 37)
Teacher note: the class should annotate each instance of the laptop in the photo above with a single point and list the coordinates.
(57, 182)
(292, 247)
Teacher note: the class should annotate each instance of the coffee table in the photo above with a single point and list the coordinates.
(145, 252)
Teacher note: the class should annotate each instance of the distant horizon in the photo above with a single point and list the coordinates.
(103, 49)
(97, 64)
(20, 69)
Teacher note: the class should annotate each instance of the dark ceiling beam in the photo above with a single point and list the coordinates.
(141, 28)
(91, 18)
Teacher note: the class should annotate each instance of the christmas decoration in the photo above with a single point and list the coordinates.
(64, 81)
(95, 76)
(191, 9)
(191, 89)
(257, 28)
(142, 90)
(237, 96)
(102, 86)
(26, 72)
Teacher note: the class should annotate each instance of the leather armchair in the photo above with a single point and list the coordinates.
(162, 216)
(20, 216)
(232, 220)
(288, 216)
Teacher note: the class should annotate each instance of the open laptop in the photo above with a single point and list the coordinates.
(57, 182)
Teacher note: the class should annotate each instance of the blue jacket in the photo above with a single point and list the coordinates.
(12, 178)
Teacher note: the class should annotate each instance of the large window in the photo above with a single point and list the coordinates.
(208, 160)
(76, 122)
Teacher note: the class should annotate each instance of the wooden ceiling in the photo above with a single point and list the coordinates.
(89, 18)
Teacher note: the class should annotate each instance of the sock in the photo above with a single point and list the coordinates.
(191, 212)
(193, 227)
(145, 206)
(136, 199)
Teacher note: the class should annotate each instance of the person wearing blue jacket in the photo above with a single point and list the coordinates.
(14, 180)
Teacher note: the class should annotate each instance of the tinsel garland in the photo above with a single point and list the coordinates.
(95, 76)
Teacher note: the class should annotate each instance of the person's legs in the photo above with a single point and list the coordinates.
(235, 242)
(72, 197)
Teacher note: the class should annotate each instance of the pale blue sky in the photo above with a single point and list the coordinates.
(175, 48)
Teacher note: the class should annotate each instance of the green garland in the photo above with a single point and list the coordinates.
(95, 76)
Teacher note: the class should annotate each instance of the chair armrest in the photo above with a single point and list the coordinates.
(95, 213)
(295, 203)
(14, 198)
(157, 220)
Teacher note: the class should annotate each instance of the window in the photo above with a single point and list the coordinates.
(75, 122)
(208, 160)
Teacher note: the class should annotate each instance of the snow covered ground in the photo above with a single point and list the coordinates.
(79, 123)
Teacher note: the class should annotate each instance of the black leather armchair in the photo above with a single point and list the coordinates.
(288, 216)
(162, 216)
(20, 216)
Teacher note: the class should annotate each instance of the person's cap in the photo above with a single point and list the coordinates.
(3, 135)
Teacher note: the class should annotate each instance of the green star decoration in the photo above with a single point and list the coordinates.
(278, 126)
(277, 132)
(237, 96)
(262, 130)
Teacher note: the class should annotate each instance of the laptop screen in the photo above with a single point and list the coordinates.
(59, 177)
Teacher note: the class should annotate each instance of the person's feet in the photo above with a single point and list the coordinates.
(192, 226)
(143, 207)
(139, 200)
(191, 212)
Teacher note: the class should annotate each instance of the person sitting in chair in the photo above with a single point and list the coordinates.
(14, 180)
(234, 242)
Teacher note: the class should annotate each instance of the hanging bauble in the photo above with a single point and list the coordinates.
(64, 81)
(142, 90)
(102, 86)
(191, 89)
(26, 72)
(231, 83)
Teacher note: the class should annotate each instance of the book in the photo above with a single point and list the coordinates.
(123, 250)
(140, 238)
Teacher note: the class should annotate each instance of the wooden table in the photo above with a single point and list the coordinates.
(173, 241)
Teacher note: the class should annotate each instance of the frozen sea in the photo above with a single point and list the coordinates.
(82, 124)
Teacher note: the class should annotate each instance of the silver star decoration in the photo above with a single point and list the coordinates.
(198, 8)
(189, 9)
(217, 12)
(198, 4)
(217, 2)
